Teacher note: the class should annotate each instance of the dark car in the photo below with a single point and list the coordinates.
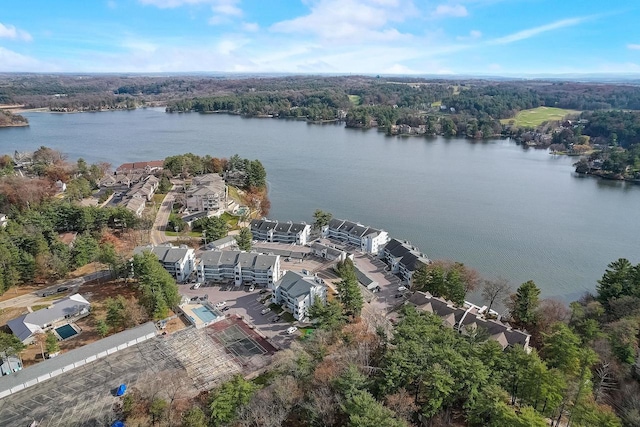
(225, 308)
(63, 289)
(264, 291)
(399, 295)
(275, 319)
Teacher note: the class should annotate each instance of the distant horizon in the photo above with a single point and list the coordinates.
(497, 38)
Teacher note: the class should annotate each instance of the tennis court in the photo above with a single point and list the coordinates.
(241, 341)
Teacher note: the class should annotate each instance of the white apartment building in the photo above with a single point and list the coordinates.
(179, 261)
(241, 267)
(367, 239)
(280, 232)
(403, 258)
(297, 292)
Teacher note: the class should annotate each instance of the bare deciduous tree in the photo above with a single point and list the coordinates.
(495, 290)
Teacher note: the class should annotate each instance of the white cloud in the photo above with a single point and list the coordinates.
(350, 20)
(250, 27)
(531, 32)
(227, 8)
(633, 46)
(455, 10)
(168, 4)
(11, 32)
(473, 35)
(13, 61)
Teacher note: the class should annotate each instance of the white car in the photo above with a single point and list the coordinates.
(221, 304)
(266, 310)
(292, 330)
(402, 289)
(196, 285)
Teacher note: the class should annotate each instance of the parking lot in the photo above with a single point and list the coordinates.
(245, 304)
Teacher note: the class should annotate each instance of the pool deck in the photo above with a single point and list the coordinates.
(192, 316)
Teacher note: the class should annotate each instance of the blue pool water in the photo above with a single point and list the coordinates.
(66, 331)
(205, 314)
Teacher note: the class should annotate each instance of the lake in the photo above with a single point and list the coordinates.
(507, 211)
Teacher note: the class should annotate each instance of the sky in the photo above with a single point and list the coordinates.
(459, 37)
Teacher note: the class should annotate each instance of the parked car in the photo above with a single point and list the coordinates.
(399, 295)
(402, 289)
(63, 288)
(221, 304)
(275, 319)
(266, 310)
(264, 291)
(225, 308)
(292, 330)
(252, 288)
(196, 285)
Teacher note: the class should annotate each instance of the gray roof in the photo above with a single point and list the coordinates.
(245, 259)
(223, 241)
(362, 277)
(43, 368)
(335, 223)
(296, 284)
(27, 324)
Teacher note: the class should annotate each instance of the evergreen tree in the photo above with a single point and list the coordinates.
(524, 305)
(244, 239)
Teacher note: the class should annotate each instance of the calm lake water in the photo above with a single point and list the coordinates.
(493, 205)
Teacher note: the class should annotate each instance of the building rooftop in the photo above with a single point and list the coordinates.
(297, 284)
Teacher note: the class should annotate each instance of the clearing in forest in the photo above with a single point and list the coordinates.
(536, 116)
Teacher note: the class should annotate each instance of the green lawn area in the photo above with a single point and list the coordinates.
(235, 195)
(275, 308)
(158, 198)
(537, 116)
(39, 307)
(306, 333)
(232, 221)
(436, 104)
(287, 317)
(355, 100)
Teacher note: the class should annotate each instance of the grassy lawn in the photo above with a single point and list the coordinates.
(355, 100)
(436, 104)
(39, 307)
(306, 333)
(232, 221)
(180, 233)
(537, 116)
(234, 193)
(287, 317)
(158, 198)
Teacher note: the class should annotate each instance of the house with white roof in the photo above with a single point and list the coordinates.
(297, 291)
(24, 327)
(280, 232)
(179, 261)
(240, 267)
(367, 239)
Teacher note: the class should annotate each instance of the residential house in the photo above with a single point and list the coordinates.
(364, 279)
(144, 189)
(3, 220)
(280, 232)
(26, 326)
(470, 319)
(179, 261)
(328, 252)
(135, 205)
(236, 178)
(10, 364)
(207, 193)
(297, 291)
(61, 186)
(403, 258)
(239, 267)
(367, 239)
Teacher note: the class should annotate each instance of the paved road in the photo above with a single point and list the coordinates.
(34, 298)
(162, 218)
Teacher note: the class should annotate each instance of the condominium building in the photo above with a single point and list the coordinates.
(179, 261)
(280, 232)
(403, 258)
(297, 292)
(364, 238)
(239, 267)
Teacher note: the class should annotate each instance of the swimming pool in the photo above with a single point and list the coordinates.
(205, 314)
(66, 331)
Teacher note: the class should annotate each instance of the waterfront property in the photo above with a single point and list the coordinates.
(140, 167)
(403, 258)
(470, 319)
(179, 261)
(297, 291)
(207, 193)
(61, 312)
(225, 242)
(280, 232)
(239, 267)
(367, 239)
